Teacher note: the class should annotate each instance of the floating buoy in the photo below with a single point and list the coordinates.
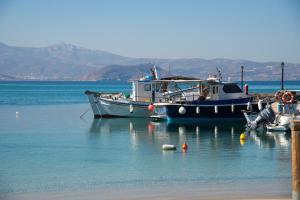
(184, 146)
(232, 108)
(151, 107)
(259, 104)
(131, 108)
(243, 136)
(182, 110)
(169, 147)
(197, 109)
(278, 96)
(288, 98)
(216, 109)
(17, 114)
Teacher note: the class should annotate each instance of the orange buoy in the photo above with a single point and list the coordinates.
(184, 146)
(151, 107)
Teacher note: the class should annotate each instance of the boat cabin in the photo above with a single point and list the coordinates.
(147, 91)
(224, 90)
(184, 89)
(210, 89)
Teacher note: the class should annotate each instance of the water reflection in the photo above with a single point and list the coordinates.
(216, 135)
(267, 139)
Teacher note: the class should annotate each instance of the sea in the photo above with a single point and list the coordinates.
(50, 143)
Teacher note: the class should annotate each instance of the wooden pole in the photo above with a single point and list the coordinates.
(295, 127)
(282, 71)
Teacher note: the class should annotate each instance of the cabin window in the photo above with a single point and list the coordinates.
(157, 87)
(147, 87)
(217, 89)
(231, 88)
(213, 90)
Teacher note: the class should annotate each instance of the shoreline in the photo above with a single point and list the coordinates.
(210, 191)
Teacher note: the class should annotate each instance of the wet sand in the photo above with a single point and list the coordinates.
(177, 192)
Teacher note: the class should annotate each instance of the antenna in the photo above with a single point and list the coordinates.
(219, 73)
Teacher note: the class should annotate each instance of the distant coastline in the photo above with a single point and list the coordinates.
(66, 62)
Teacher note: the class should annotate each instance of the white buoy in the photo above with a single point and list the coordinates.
(197, 109)
(169, 147)
(216, 109)
(131, 108)
(232, 108)
(17, 114)
(182, 110)
(260, 106)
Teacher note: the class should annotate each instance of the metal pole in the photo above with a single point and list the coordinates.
(295, 127)
(282, 70)
(242, 78)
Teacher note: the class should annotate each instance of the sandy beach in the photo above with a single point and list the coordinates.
(95, 195)
(210, 192)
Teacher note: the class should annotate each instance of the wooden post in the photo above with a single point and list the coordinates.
(282, 71)
(295, 127)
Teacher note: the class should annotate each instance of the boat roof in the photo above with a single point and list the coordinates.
(184, 79)
(187, 81)
(180, 81)
(178, 78)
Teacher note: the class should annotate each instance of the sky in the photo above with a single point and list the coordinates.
(258, 30)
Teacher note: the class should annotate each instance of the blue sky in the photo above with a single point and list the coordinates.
(260, 30)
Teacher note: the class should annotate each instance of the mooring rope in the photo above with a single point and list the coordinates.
(84, 113)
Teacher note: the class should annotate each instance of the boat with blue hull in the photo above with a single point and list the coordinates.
(212, 100)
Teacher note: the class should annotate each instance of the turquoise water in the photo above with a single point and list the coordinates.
(45, 93)
(48, 147)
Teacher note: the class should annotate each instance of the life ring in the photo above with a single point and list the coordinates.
(279, 95)
(288, 97)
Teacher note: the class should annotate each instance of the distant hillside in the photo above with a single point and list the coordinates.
(123, 72)
(7, 77)
(69, 62)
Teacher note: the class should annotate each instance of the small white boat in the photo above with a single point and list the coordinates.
(110, 106)
(276, 121)
(145, 91)
(281, 123)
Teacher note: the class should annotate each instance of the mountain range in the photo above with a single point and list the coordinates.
(70, 62)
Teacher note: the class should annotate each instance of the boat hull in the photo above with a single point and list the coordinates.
(278, 128)
(207, 112)
(109, 108)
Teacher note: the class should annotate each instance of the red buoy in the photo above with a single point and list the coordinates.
(184, 146)
(151, 107)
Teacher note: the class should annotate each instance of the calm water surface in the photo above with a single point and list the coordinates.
(48, 147)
